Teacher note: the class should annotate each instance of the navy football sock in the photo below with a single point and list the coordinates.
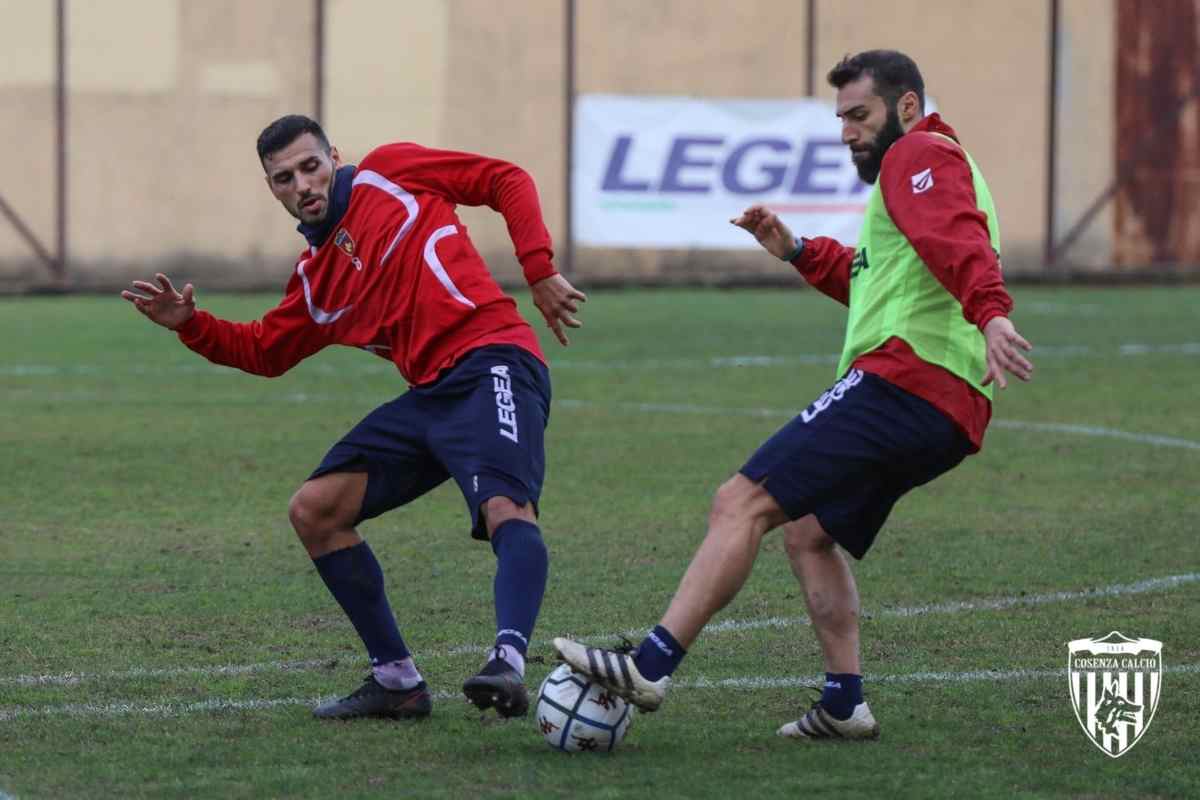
(521, 569)
(658, 655)
(842, 692)
(355, 580)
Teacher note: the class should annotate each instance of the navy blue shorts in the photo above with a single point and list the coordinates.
(853, 453)
(481, 423)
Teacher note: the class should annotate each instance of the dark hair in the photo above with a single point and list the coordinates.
(285, 130)
(894, 74)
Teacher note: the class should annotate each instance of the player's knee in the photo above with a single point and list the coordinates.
(525, 542)
(311, 513)
(326, 506)
(804, 537)
(499, 510)
(741, 501)
(519, 541)
(301, 513)
(729, 501)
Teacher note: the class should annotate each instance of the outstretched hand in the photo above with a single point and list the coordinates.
(557, 299)
(1003, 342)
(161, 304)
(768, 229)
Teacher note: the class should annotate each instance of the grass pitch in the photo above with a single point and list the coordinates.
(162, 633)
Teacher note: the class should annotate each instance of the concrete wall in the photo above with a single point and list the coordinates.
(986, 65)
(26, 133)
(167, 96)
(1087, 127)
(166, 99)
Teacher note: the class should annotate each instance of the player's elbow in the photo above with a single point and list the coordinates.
(266, 369)
(275, 370)
(511, 178)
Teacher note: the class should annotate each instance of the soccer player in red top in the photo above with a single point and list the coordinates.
(894, 420)
(389, 269)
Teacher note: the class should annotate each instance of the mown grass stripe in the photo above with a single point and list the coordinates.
(1094, 431)
(747, 683)
(952, 607)
(1069, 351)
(971, 676)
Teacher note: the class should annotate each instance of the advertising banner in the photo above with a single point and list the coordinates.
(670, 172)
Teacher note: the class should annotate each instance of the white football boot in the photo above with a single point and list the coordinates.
(817, 723)
(615, 671)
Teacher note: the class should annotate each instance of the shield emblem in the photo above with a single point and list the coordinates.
(1115, 685)
(342, 239)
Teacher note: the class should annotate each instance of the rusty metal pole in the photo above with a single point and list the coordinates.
(1052, 136)
(568, 260)
(810, 50)
(60, 148)
(319, 61)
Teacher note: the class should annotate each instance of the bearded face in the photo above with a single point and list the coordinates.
(868, 155)
(872, 122)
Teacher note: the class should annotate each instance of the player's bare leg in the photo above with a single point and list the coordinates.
(521, 569)
(742, 513)
(831, 596)
(323, 513)
(830, 592)
(499, 510)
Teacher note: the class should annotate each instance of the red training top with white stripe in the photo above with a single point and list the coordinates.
(398, 276)
(950, 234)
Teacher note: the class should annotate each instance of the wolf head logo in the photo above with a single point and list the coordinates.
(1115, 710)
(1116, 683)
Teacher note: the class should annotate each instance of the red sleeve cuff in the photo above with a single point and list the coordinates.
(194, 328)
(803, 255)
(537, 267)
(989, 313)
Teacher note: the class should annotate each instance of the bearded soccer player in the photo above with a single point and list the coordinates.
(927, 338)
(389, 269)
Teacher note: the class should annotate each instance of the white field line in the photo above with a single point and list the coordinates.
(726, 626)
(992, 604)
(166, 708)
(72, 678)
(1154, 440)
(1128, 350)
(762, 682)
(746, 683)
(1093, 430)
(783, 413)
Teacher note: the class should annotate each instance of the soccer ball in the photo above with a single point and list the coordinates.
(575, 715)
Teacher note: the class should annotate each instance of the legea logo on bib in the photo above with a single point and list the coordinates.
(922, 181)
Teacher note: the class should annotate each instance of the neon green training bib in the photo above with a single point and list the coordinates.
(893, 293)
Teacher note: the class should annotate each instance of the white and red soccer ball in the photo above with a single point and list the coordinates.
(575, 715)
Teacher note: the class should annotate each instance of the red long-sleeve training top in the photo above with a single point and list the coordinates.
(398, 276)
